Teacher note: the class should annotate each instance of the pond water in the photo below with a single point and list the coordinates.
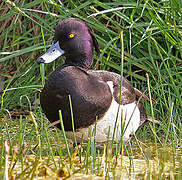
(145, 162)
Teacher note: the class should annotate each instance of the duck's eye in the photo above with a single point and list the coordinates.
(71, 35)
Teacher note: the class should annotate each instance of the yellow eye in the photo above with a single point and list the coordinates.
(71, 35)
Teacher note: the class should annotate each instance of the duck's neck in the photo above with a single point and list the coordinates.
(83, 62)
(84, 59)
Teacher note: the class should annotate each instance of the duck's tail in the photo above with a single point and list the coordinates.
(140, 94)
(149, 118)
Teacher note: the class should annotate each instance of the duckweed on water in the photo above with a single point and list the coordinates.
(27, 163)
(126, 167)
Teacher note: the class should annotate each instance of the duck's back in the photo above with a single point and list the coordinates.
(90, 97)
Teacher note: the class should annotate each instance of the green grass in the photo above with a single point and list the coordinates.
(152, 35)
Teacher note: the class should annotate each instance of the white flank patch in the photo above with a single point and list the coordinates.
(126, 124)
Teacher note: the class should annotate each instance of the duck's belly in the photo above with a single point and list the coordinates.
(115, 123)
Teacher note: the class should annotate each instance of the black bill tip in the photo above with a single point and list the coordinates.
(40, 60)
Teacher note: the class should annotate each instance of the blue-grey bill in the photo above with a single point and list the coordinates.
(53, 53)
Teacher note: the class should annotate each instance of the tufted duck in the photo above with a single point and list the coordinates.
(94, 93)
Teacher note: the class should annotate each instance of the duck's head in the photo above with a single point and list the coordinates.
(75, 39)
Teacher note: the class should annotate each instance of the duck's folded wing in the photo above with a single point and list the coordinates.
(127, 92)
